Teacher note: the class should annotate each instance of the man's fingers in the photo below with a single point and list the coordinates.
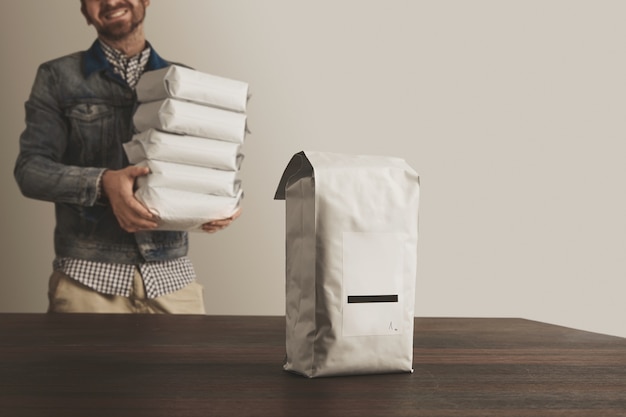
(130, 213)
(236, 214)
(139, 210)
(217, 225)
(136, 217)
(134, 171)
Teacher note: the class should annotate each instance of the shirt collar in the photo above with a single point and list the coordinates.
(94, 60)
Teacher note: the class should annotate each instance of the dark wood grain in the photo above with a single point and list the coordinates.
(144, 365)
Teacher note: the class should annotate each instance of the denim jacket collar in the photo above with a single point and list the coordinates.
(94, 60)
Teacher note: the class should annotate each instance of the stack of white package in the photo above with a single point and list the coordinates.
(191, 128)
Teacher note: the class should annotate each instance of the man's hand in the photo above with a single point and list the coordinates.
(217, 225)
(118, 188)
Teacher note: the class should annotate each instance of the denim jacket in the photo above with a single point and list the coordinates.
(77, 116)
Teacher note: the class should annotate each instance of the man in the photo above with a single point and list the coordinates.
(108, 258)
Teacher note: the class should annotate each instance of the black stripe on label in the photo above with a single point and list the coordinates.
(372, 299)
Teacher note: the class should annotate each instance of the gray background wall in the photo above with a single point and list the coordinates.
(511, 111)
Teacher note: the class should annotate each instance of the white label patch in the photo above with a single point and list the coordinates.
(372, 284)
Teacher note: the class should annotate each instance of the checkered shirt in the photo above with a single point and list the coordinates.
(160, 277)
(129, 68)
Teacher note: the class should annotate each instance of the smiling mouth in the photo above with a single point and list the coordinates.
(116, 14)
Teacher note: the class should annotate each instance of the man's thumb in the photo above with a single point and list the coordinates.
(135, 171)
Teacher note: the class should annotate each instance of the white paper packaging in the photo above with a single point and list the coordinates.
(177, 116)
(184, 210)
(189, 178)
(192, 85)
(183, 149)
(351, 259)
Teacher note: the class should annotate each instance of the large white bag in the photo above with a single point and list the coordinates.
(189, 178)
(351, 259)
(183, 149)
(177, 116)
(184, 210)
(189, 84)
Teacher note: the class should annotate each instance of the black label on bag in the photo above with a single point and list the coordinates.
(372, 298)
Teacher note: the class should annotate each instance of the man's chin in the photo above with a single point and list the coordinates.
(118, 32)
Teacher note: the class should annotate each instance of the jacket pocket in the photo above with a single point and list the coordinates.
(92, 142)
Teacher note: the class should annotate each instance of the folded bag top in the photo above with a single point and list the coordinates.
(351, 261)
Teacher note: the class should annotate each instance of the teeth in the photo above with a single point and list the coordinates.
(116, 14)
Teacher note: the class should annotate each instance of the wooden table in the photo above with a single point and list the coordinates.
(145, 365)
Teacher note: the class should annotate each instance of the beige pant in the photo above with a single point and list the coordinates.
(70, 296)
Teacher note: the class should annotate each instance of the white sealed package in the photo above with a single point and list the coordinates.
(351, 261)
(189, 178)
(185, 210)
(177, 116)
(184, 149)
(188, 84)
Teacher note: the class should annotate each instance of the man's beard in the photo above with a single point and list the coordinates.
(120, 30)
